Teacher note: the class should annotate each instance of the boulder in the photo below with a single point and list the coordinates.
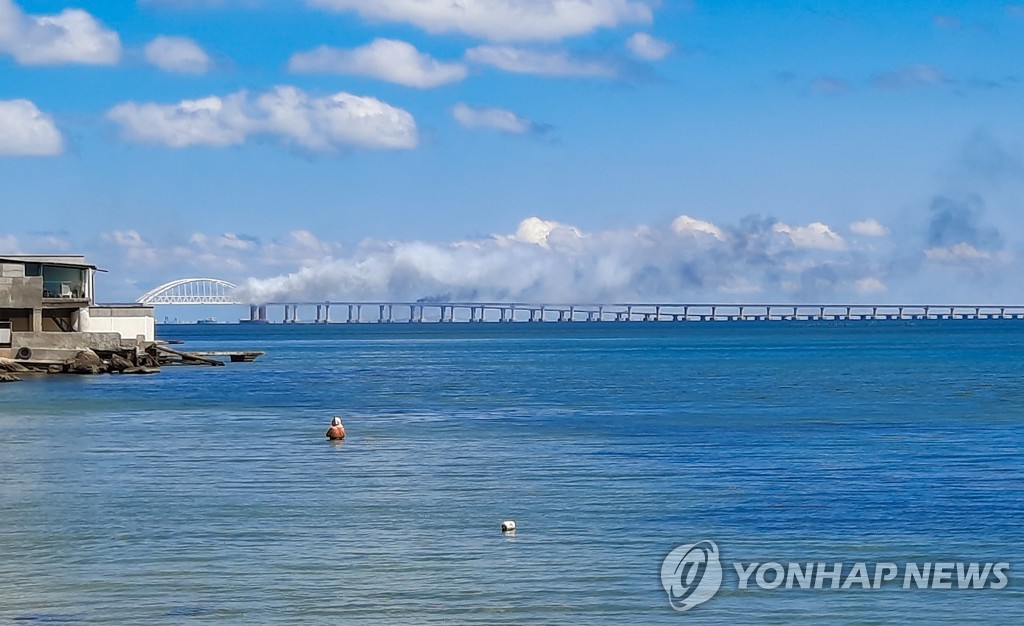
(87, 362)
(10, 365)
(119, 364)
(142, 370)
(8, 378)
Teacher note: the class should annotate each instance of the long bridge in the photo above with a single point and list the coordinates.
(212, 291)
(419, 312)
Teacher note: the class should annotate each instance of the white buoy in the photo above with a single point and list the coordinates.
(508, 526)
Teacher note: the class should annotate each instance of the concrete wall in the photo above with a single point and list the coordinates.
(20, 292)
(72, 342)
(128, 321)
(12, 270)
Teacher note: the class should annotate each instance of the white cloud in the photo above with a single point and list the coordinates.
(534, 230)
(324, 124)
(71, 36)
(211, 121)
(385, 59)
(686, 225)
(226, 241)
(869, 228)
(299, 247)
(963, 254)
(814, 235)
(542, 63)
(545, 260)
(27, 131)
(9, 244)
(870, 285)
(501, 120)
(501, 20)
(135, 248)
(648, 48)
(177, 54)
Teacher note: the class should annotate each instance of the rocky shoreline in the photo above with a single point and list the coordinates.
(146, 360)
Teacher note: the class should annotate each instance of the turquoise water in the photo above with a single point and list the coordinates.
(204, 495)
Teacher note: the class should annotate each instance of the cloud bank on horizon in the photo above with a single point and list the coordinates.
(687, 260)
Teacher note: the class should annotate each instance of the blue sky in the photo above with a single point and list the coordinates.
(520, 149)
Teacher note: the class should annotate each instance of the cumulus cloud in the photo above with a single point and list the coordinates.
(133, 246)
(814, 235)
(232, 253)
(237, 252)
(910, 77)
(71, 36)
(869, 228)
(545, 232)
(686, 225)
(870, 285)
(177, 54)
(648, 47)
(546, 260)
(502, 120)
(385, 59)
(500, 20)
(539, 62)
(957, 254)
(324, 124)
(27, 131)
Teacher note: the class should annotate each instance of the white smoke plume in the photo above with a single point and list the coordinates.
(546, 261)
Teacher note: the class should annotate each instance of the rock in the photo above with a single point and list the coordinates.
(119, 364)
(55, 369)
(8, 378)
(142, 370)
(87, 362)
(10, 365)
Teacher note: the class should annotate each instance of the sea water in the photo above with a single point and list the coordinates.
(210, 495)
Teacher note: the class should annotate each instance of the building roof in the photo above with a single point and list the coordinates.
(60, 260)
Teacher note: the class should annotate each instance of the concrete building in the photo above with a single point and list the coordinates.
(47, 306)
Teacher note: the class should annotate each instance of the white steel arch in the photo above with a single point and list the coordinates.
(191, 291)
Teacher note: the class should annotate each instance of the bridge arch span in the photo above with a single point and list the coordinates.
(191, 291)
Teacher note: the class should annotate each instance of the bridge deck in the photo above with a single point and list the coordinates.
(418, 312)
